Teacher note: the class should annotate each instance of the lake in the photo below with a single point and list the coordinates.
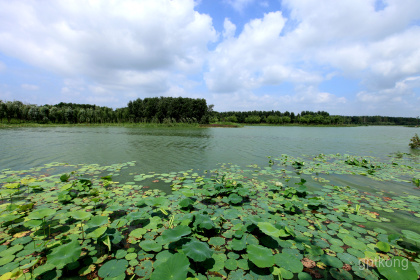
(174, 149)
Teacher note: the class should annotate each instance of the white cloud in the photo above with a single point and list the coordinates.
(228, 29)
(129, 44)
(29, 87)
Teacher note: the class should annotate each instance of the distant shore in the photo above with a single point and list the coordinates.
(176, 125)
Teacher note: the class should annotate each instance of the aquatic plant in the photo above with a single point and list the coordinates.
(414, 142)
(276, 222)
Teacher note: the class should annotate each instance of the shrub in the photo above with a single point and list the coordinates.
(415, 142)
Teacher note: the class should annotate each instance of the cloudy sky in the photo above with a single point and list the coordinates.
(347, 57)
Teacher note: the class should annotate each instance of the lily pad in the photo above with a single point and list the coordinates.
(196, 250)
(41, 213)
(260, 256)
(65, 254)
(113, 268)
(288, 262)
(175, 234)
(97, 221)
(175, 268)
(397, 268)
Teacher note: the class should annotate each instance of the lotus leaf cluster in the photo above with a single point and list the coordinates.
(324, 216)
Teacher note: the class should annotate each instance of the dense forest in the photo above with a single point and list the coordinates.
(175, 110)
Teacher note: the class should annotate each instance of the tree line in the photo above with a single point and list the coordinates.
(150, 110)
(176, 110)
(308, 118)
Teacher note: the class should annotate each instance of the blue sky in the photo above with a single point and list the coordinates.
(347, 57)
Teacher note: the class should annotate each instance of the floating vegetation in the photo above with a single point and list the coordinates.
(284, 221)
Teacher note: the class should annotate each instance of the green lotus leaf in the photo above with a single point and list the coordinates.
(64, 177)
(271, 230)
(42, 269)
(113, 268)
(11, 250)
(175, 234)
(260, 256)
(357, 218)
(97, 233)
(6, 259)
(196, 250)
(156, 201)
(97, 221)
(203, 221)
(340, 274)
(231, 264)
(315, 251)
(138, 233)
(238, 244)
(80, 215)
(39, 214)
(136, 215)
(217, 241)
(186, 202)
(188, 193)
(175, 268)
(150, 245)
(234, 198)
(331, 261)
(383, 246)
(131, 256)
(9, 218)
(162, 257)
(413, 236)
(288, 262)
(397, 268)
(120, 254)
(65, 254)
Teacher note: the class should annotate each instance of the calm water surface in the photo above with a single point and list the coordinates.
(175, 149)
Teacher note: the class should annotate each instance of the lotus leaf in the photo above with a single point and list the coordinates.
(39, 214)
(175, 268)
(340, 274)
(203, 221)
(175, 234)
(6, 259)
(331, 261)
(64, 177)
(196, 250)
(234, 198)
(120, 254)
(397, 268)
(97, 221)
(97, 233)
(383, 246)
(186, 202)
(288, 262)
(271, 230)
(136, 215)
(217, 241)
(80, 215)
(260, 256)
(231, 264)
(150, 245)
(238, 244)
(138, 233)
(113, 268)
(65, 254)
(411, 235)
